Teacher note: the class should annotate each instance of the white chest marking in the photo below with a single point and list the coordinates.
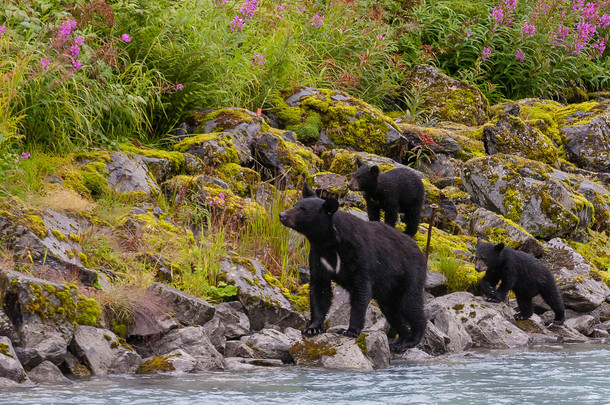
(330, 268)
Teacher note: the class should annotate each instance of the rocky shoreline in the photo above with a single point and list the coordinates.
(533, 174)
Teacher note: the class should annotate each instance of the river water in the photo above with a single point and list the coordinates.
(554, 374)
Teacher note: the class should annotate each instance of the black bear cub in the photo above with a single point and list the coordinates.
(520, 272)
(369, 260)
(397, 190)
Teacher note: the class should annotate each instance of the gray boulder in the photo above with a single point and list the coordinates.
(523, 191)
(10, 367)
(265, 305)
(270, 344)
(498, 229)
(587, 138)
(47, 372)
(192, 340)
(331, 350)
(103, 353)
(579, 290)
(435, 341)
(247, 364)
(229, 322)
(175, 362)
(188, 310)
(584, 324)
(127, 173)
(486, 323)
(340, 310)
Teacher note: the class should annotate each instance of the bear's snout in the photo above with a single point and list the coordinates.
(480, 266)
(353, 185)
(285, 219)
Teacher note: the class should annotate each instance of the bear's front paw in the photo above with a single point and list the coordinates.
(493, 299)
(312, 331)
(519, 317)
(557, 322)
(349, 333)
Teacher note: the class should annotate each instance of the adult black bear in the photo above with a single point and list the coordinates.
(520, 272)
(369, 260)
(393, 191)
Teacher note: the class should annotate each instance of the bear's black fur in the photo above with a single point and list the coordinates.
(397, 190)
(369, 260)
(520, 272)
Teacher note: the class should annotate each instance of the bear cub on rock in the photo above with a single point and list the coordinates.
(520, 272)
(397, 190)
(369, 260)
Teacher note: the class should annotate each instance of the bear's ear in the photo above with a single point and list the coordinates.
(307, 192)
(479, 240)
(331, 206)
(499, 247)
(375, 171)
(359, 162)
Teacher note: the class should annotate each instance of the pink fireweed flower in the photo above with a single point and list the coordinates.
(74, 50)
(221, 195)
(258, 60)
(179, 87)
(125, 38)
(519, 56)
(301, 9)
(381, 37)
(237, 23)
(528, 29)
(220, 3)
(77, 64)
(486, 53)
(497, 14)
(2, 30)
(66, 28)
(317, 20)
(79, 41)
(45, 63)
(25, 155)
(469, 33)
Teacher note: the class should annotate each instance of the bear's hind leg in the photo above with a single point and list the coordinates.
(552, 297)
(411, 312)
(524, 302)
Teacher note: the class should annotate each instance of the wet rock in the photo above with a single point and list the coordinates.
(192, 340)
(486, 323)
(47, 372)
(536, 330)
(270, 344)
(10, 368)
(7, 328)
(42, 313)
(175, 362)
(566, 334)
(74, 365)
(434, 341)
(103, 353)
(340, 310)
(127, 173)
(446, 322)
(244, 364)
(584, 324)
(237, 348)
(498, 229)
(229, 322)
(599, 196)
(412, 355)
(331, 350)
(600, 334)
(375, 346)
(188, 310)
(436, 283)
(264, 304)
(448, 99)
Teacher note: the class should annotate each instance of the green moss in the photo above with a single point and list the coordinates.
(458, 307)
(88, 311)
(361, 342)
(226, 118)
(4, 350)
(242, 180)
(192, 141)
(175, 158)
(513, 204)
(453, 107)
(309, 131)
(35, 224)
(311, 351)
(60, 236)
(562, 115)
(95, 179)
(159, 364)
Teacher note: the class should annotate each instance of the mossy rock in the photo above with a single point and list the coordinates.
(343, 161)
(523, 191)
(216, 148)
(457, 141)
(447, 99)
(336, 119)
(227, 119)
(510, 134)
(242, 180)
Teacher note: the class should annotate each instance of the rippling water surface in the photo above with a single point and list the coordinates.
(545, 375)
